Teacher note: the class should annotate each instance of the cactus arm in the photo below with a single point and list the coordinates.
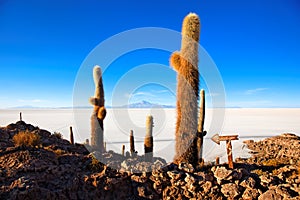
(175, 61)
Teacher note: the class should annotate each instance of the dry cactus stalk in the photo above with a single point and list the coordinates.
(99, 112)
(131, 140)
(201, 119)
(71, 136)
(148, 143)
(20, 116)
(185, 63)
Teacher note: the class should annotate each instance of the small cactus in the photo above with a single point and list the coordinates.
(123, 150)
(99, 112)
(217, 160)
(105, 150)
(87, 142)
(131, 140)
(185, 63)
(20, 116)
(148, 143)
(71, 136)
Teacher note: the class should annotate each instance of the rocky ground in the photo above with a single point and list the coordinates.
(55, 169)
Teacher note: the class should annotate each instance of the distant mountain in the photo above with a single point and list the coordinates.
(146, 104)
(24, 107)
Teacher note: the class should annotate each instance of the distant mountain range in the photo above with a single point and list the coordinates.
(146, 104)
(142, 104)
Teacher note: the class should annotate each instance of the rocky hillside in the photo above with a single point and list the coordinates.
(55, 169)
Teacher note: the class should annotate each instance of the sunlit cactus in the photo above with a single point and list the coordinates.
(201, 119)
(148, 143)
(185, 63)
(99, 112)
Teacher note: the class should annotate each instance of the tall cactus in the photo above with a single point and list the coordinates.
(99, 112)
(148, 143)
(201, 118)
(185, 63)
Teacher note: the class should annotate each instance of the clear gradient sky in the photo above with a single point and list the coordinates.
(254, 43)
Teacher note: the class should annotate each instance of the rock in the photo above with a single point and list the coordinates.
(270, 195)
(157, 186)
(126, 164)
(189, 179)
(268, 180)
(158, 164)
(136, 165)
(169, 167)
(43, 133)
(201, 176)
(250, 194)
(171, 192)
(175, 175)
(206, 186)
(221, 173)
(139, 179)
(187, 167)
(285, 191)
(141, 191)
(249, 182)
(230, 190)
(4, 136)
(243, 171)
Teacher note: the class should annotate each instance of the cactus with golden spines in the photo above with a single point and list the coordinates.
(148, 143)
(185, 63)
(99, 111)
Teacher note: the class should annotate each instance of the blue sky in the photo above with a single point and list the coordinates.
(254, 44)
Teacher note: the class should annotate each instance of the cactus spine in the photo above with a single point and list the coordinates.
(71, 136)
(148, 143)
(131, 140)
(99, 112)
(185, 63)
